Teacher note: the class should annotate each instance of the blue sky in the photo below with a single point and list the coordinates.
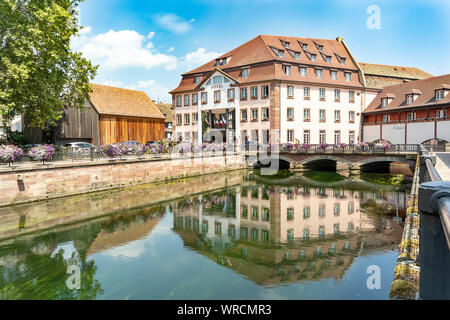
(147, 45)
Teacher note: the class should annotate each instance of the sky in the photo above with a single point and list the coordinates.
(147, 45)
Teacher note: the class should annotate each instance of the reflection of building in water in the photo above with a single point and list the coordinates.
(284, 233)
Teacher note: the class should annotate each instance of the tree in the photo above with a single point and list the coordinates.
(39, 73)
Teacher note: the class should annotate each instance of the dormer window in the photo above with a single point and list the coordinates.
(245, 72)
(285, 44)
(319, 73)
(297, 55)
(348, 76)
(384, 102)
(409, 98)
(198, 79)
(328, 59)
(319, 47)
(313, 57)
(333, 74)
(304, 46)
(343, 61)
(302, 71)
(287, 70)
(280, 53)
(439, 94)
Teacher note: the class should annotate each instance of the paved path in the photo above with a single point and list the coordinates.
(443, 165)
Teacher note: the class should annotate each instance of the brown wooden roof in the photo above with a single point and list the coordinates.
(426, 87)
(266, 64)
(123, 102)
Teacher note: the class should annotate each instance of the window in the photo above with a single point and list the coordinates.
(264, 91)
(313, 57)
(411, 116)
(319, 73)
(265, 114)
(409, 98)
(198, 79)
(217, 96)
(306, 92)
(306, 212)
(322, 136)
(303, 45)
(351, 137)
(322, 94)
(348, 76)
(255, 213)
(351, 96)
(337, 208)
(265, 214)
(333, 74)
(254, 114)
(218, 228)
(322, 113)
(297, 55)
(287, 70)
(439, 95)
(194, 118)
(230, 95)
(290, 91)
(204, 97)
(244, 212)
(342, 60)
(186, 99)
(285, 44)
(337, 116)
(187, 118)
(290, 135)
(306, 135)
(245, 73)
(217, 80)
(440, 114)
(302, 71)
(195, 98)
(328, 59)
(351, 116)
(306, 114)
(290, 214)
(280, 53)
(322, 210)
(290, 114)
(179, 119)
(178, 101)
(337, 95)
(383, 102)
(244, 115)
(337, 137)
(254, 93)
(243, 93)
(384, 118)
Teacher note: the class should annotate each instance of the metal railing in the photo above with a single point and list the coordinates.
(353, 148)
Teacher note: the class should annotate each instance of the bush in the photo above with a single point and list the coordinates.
(12, 138)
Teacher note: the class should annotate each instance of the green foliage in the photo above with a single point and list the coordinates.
(39, 73)
(12, 137)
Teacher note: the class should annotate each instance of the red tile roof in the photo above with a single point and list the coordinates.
(266, 64)
(426, 87)
(123, 102)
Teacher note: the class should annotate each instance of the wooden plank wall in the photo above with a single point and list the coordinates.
(76, 124)
(115, 129)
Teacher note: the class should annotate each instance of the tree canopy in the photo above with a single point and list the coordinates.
(39, 72)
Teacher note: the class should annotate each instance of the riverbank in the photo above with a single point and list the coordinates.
(28, 184)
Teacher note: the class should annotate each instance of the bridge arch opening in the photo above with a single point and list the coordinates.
(321, 165)
(376, 167)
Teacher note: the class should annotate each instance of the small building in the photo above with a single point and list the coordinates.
(111, 115)
(410, 113)
(169, 112)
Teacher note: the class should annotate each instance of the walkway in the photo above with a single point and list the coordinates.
(443, 165)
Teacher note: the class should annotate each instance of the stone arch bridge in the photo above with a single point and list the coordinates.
(351, 161)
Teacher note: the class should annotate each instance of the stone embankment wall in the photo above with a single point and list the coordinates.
(407, 271)
(21, 185)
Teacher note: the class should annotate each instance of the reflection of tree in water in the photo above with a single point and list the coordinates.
(31, 268)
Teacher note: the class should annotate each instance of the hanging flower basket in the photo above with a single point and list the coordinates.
(42, 153)
(10, 153)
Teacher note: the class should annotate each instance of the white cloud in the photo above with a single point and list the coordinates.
(122, 49)
(199, 57)
(171, 49)
(153, 89)
(151, 35)
(174, 23)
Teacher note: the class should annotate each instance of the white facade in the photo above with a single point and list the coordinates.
(314, 125)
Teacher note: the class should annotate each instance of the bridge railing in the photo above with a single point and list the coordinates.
(349, 148)
(434, 231)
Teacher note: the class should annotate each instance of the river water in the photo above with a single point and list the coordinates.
(226, 236)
